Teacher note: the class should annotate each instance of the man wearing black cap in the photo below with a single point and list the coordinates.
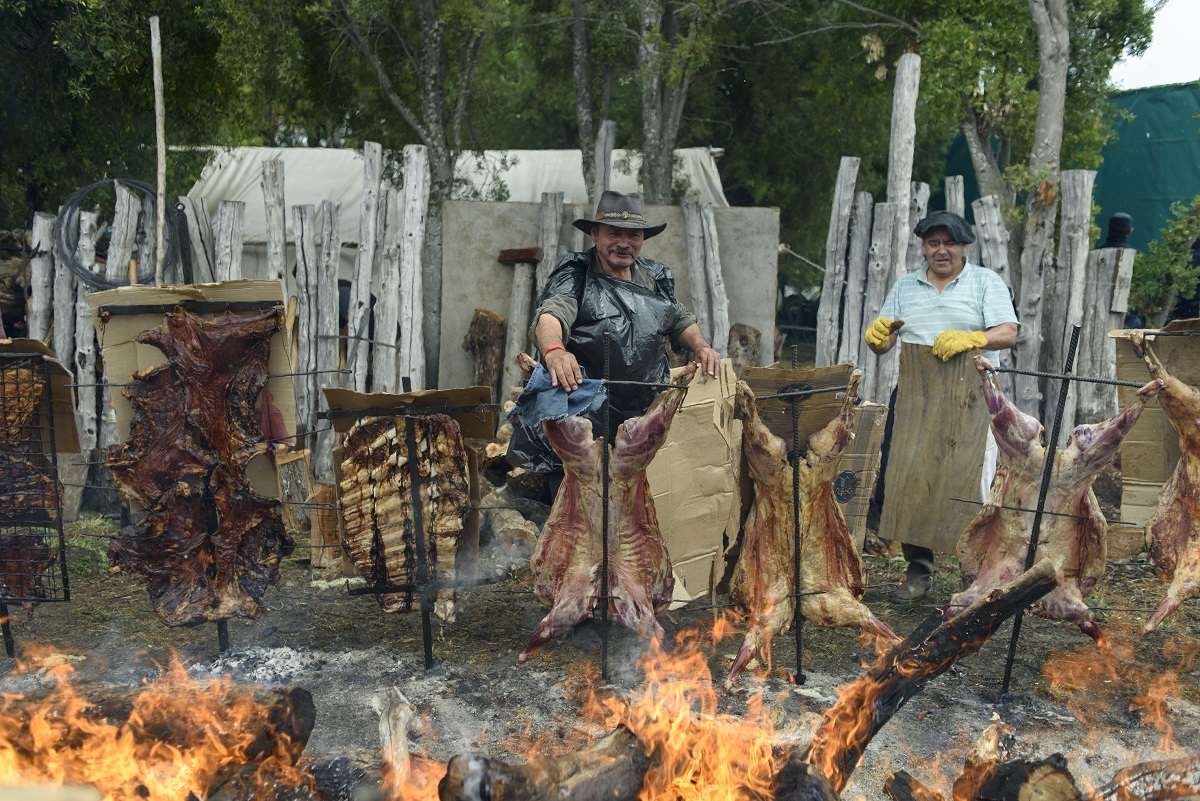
(1120, 226)
(955, 307)
(610, 288)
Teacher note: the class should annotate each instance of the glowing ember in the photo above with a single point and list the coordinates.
(179, 737)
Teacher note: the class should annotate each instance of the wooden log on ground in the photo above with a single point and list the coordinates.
(829, 312)
(280, 729)
(868, 704)
(485, 341)
(901, 786)
(802, 781)
(1044, 779)
(231, 224)
(611, 769)
(988, 753)
(693, 235)
(856, 280)
(1159, 780)
(411, 356)
(41, 276)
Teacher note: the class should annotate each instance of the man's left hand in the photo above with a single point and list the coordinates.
(952, 343)
(709, 361)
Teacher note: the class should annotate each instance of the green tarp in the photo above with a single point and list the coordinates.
(1153, 162)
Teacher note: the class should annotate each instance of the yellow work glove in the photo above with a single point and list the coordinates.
(951, 343)
(880, 331)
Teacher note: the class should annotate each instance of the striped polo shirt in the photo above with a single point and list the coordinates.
(974, 301)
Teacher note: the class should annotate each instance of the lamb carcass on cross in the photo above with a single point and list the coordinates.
(567, 560)
(831, 568)
(993, 548)
(1173, 532)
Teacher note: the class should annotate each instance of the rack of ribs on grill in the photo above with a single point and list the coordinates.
(831, 568)
(567, 560)
(25, 557)
(27, 478)
(1173, 532)
(377, 509)
(208, 545)
(993, 547)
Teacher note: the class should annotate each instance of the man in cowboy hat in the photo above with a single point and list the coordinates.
(955, 307)
(610, 288)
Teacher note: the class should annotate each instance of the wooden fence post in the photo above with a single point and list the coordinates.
(231, 223)
(1071, 279)
(918, 207)
(304, 225)
(550, 222)
(879, 267)
(64, 305)
(200, 237)
(272, 189)
(329, 244)
(856, 279)
(387, 317)
(829, 312)
(1109, 272)
(900, 157)
(41, 275)
(85, 338)
(718, 299)
(416, 199)
(992, 236)
(956, 202)
(359, 344)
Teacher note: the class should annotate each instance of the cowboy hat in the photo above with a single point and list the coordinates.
(620, 211)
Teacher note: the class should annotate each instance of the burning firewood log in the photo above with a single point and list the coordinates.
(611, 769)
(869, 703)
(1164, 780)
(901, 786)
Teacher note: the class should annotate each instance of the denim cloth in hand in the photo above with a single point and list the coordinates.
(540, 401)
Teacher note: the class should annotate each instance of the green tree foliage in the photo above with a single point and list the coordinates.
(79, 102)
(1165, 271)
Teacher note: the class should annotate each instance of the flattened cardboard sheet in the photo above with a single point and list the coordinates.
(62, 396)
(694, 484)
(124, 356)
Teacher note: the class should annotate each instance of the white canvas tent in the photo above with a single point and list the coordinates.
(312, 175)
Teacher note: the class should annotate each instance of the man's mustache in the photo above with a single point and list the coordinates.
(620, 251)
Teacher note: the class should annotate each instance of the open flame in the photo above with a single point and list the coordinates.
(177, 737)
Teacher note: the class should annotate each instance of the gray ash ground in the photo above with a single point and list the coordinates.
(477, 699)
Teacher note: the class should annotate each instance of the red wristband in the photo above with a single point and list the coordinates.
(549, 348)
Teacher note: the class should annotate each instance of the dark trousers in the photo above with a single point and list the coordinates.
(919, 558)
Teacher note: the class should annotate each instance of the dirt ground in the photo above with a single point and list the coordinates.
(477, 699)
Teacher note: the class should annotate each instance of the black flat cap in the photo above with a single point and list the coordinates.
(959, 230)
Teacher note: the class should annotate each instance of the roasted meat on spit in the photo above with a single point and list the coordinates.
(992, 549)
(208, 545)
(831, 568)
(1173, 533)
(567, 560)
(377, 508)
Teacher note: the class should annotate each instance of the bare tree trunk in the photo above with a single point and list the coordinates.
(581, 73)
(601, 163)
(663, 99)
(1054, 47)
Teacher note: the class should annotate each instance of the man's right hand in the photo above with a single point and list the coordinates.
(880, 331)
(563, 369)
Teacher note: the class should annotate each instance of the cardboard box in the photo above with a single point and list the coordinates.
(1150, 450)
(694, 484)
(117, 333)
(62, 397)
(347, 407)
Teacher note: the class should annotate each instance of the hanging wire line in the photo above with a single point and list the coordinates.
(1045, 512)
